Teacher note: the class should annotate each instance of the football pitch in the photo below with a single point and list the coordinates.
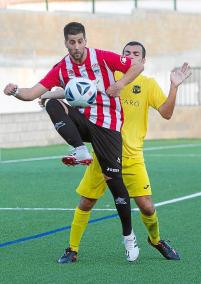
(37, 203)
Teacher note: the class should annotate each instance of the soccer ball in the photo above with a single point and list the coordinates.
(80, 92)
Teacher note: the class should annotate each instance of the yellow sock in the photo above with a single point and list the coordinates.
(80, 221)
(152, 225)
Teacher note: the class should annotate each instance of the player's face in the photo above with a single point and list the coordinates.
(134, 53)
(76, 47)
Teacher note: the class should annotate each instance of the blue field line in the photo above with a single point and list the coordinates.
(17, 241)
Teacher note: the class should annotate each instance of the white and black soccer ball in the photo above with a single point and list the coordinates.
(80, 92)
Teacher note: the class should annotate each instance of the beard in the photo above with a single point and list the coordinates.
(77, 56)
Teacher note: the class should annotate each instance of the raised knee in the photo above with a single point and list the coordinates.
(50, 105)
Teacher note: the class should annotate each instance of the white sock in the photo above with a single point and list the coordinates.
(82, 152)
(81, 148)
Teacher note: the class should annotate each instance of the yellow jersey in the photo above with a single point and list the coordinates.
(136, 98)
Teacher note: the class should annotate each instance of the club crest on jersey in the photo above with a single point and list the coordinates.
(96, 68)
(123, 59)
(71, 74)
(136, 89)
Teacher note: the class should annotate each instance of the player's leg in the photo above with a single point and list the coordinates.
(150, 220)
(78, 226)
(91, 188)
(137, 181)
(80, 221)
(122, 204)
(138, 184)
(149, 217)
(107, 145)
(64, 119)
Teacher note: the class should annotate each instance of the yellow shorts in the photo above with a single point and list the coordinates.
(134, 174)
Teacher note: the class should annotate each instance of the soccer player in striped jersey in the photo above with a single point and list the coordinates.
(99, 124)
(136, 98)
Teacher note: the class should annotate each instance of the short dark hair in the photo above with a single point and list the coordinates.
(74, 28)
(132, 43)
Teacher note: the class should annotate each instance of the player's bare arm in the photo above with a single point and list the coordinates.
(25, 94)
(56, 94)
(129, 76)
(177, 77)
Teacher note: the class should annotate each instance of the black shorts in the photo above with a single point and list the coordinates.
(107, 143)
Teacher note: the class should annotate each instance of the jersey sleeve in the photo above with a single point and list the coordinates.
(118, 75)
(51, 79)
(156, 96)
(115, 61)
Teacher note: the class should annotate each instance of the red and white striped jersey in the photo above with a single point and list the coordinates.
(99, 65)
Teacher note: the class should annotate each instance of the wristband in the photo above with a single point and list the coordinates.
(16, 92)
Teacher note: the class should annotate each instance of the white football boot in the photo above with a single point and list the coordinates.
(80, 156)
(132, 249)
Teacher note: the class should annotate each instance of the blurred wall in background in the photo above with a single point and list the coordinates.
(41, 33)
(31, 42)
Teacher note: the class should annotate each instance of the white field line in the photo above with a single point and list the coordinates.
(58, 157)
(30, 159)
(175, 155)
(172, 147)
(171, 201)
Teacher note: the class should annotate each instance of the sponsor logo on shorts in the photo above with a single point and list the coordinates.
(146, 187)
(120, 200)
(112, 170)
(118, 160)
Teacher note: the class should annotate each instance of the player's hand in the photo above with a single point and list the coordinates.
(178, 75)
(115, 89)
(42, 102)
(10, 89)
(43, 99)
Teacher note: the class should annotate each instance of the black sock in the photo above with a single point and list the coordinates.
(122, 203)
(63, 124)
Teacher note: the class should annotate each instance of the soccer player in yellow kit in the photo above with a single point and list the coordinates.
(136, 98)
